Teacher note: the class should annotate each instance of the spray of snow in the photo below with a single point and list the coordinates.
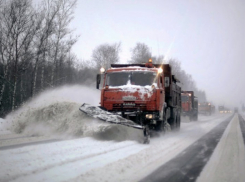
(56, 113)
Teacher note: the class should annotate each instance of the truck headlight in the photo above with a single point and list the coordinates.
(160, 70)
(102, 70)
(149, 116)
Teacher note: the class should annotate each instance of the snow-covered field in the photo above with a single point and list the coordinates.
(49, 139)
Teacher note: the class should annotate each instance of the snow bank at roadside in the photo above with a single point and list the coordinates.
(56, 112)
(1, 121)
(3, 128)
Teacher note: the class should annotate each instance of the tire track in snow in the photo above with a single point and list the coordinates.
(16, 138)
(28, 144)
(211, 118)
(78, 159)
(66, 170)
(188, 164)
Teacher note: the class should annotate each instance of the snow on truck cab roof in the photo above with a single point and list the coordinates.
(137, 67)
(132, 68)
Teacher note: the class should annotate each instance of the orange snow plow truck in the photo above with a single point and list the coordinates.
(143, 96)
(205, 108)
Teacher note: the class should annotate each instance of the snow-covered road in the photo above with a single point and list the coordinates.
(90, 159)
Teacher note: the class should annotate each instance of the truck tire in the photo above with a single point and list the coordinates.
(162, 128)
(146, 135)
(173, 123)
(163, 125)
(196, 117)
(178, 123)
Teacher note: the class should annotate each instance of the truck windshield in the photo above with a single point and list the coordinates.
(202, 106)
(131, 78)
(221, 108)
(184, 98)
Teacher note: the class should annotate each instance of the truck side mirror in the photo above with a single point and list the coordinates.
(98, 78)
(166, 84)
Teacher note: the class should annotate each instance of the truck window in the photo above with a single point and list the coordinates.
(161, 82)
(184, 98)
(166, 82)
(117, 79)
(139, 78)
(143, 78)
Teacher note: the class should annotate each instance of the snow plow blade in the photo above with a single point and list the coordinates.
(105, 116)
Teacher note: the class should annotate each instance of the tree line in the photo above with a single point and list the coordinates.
(35, 52)
(35, 49)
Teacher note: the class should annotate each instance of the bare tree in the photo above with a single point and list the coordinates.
(158, 59)
(104, 55)
(5, 52)
(18, 26)
(187, 81)
(46, 18)
(140, 53)
(31, 39)
(62, 34)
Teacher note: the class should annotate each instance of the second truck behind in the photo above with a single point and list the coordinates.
(189, 105)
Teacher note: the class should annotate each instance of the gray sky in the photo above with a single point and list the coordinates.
(206, 36)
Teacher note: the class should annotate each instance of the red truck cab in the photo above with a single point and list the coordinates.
(189, 105)
(205, 108)
(186, 102)
(132, 88)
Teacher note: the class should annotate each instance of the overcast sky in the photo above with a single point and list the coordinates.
(206, 36)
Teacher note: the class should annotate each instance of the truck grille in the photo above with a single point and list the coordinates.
(129, 106)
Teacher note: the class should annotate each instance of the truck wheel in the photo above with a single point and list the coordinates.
(173, 123)
(159, 128)
(162, 128)
(167, 127)
(146, 135)
(163, 124)
(178, 123)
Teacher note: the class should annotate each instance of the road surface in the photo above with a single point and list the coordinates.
(211, 149)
